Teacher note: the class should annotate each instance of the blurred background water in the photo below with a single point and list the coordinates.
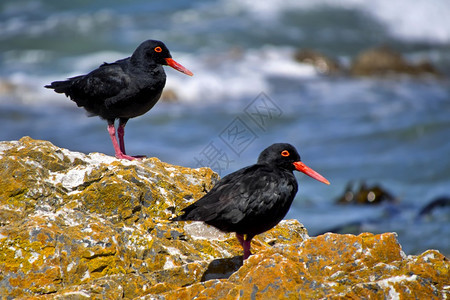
(392, 132)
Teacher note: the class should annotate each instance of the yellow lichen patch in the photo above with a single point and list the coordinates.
(281, 277)
(46, 281)
(38, 153)
(433, 265)
(19, 252)
(212, 289)
(100, 266)
(221, 289)
(161, 287)
(180, 276)
(285, 232)
(332, 252)
(33, 264)
(382, 248)
(14, 183)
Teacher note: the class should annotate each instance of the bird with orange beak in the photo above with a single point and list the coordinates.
(125, 89)
(253, 199)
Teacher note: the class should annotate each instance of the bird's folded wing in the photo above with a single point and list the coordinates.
(107, 81)
(102, 84)
(234, 196)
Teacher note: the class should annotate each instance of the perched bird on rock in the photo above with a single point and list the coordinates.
(125, 89)
(254, 199)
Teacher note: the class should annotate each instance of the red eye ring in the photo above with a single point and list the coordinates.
(158, 49)
(285, 153)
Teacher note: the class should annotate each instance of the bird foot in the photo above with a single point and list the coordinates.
(128, 157)
(247, 254)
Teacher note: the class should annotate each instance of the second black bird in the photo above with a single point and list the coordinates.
(254, 199)
(122, 90)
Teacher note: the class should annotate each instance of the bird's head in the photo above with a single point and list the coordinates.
(157, 52)
(286, 156)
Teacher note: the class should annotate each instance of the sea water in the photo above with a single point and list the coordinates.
(248, 92)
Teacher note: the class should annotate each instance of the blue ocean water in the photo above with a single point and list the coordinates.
(248, 92)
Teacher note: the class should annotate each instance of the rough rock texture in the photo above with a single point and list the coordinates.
(76, 226)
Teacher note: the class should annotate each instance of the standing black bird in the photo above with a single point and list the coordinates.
(254, 199)
(125, 89)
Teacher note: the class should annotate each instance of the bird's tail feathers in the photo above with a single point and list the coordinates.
(194, 213)
(60, 86)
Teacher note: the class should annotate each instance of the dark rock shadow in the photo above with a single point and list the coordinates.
(222, 268)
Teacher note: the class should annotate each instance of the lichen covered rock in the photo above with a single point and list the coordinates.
(75, 226)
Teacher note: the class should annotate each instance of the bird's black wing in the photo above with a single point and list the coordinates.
(103, 84)
(243, 195)
(206, 207)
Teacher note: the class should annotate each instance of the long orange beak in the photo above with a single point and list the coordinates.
(310, 172)
(178, 67)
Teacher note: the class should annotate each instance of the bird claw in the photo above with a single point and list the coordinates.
(128, 157)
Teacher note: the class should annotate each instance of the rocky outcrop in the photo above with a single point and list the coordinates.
(75, 226)
(365, 195)
(384, 61)
(378, 62)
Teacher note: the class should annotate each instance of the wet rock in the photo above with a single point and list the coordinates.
(374, 194)
(434, 205)
(384, 61)
(75, 226)
(322, 63)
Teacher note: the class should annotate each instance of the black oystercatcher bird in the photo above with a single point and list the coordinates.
(122, 90)
(254, 199)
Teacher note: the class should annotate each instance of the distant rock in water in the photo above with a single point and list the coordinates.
(322, 63)
(438, 203)
(365, 195)
(77, 226)
(384, 61)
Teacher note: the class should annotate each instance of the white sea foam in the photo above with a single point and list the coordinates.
(422, 20)
(216, 77)
(220, 76)
(64, 20)
(235, 75)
